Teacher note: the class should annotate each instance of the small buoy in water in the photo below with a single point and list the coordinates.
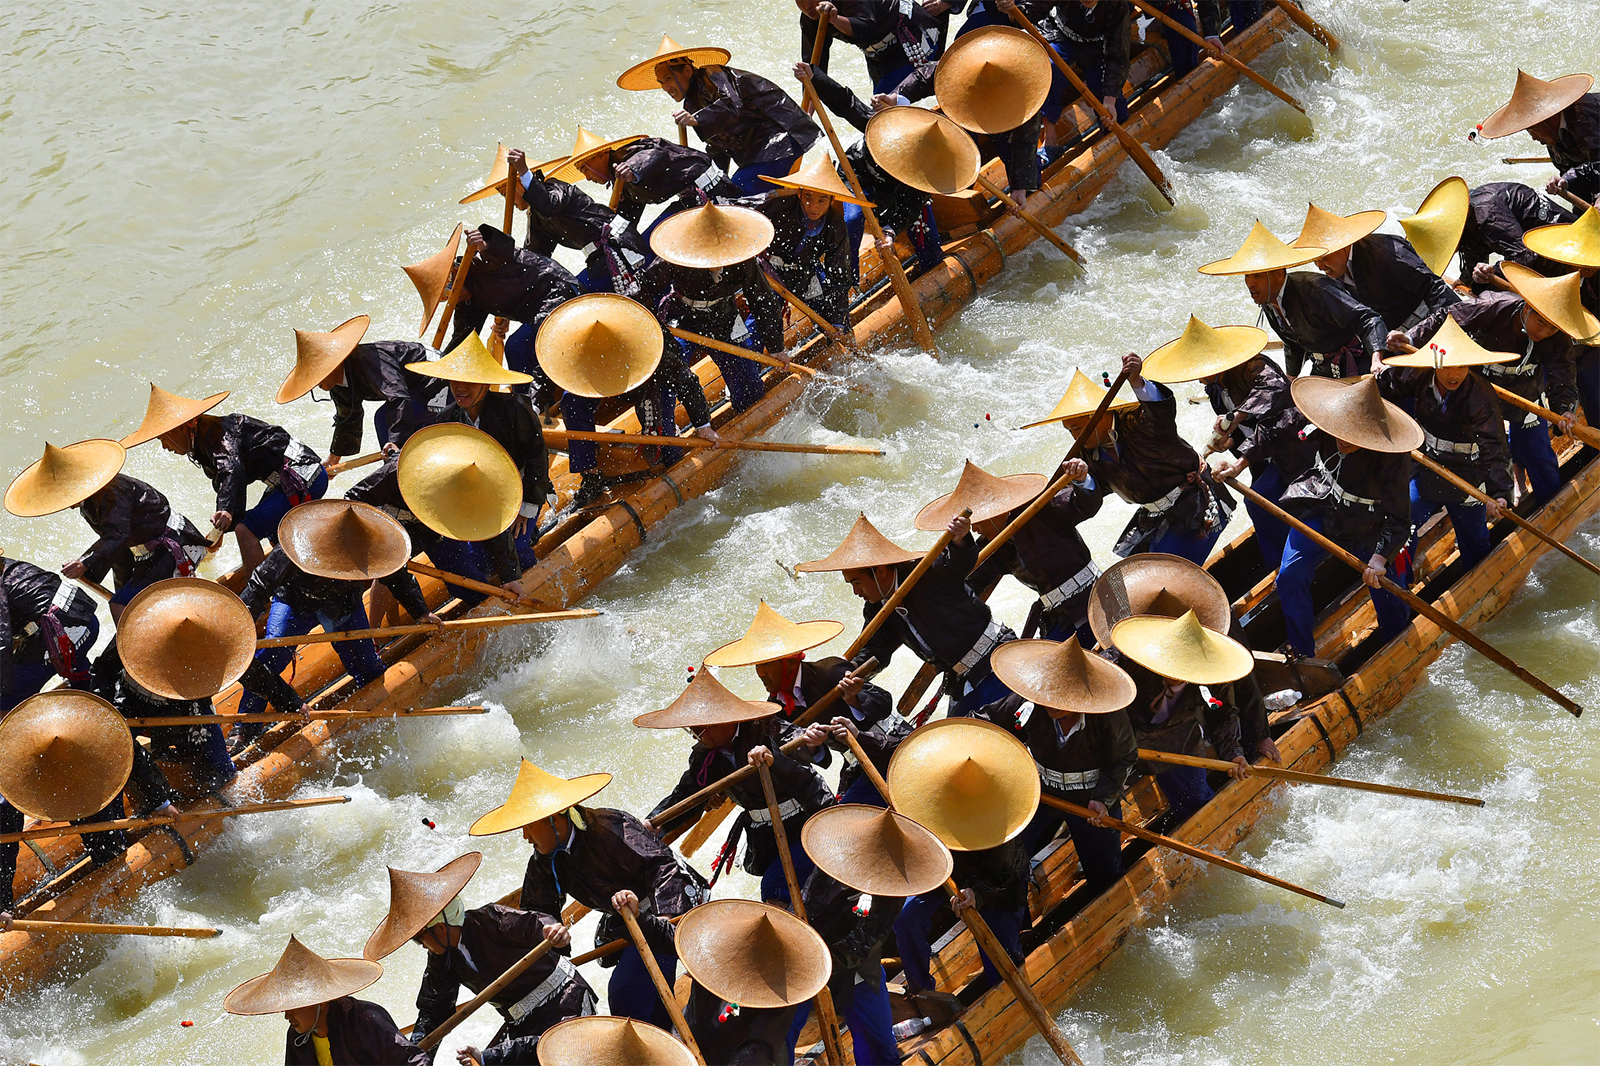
(429, 824)
(975, 425)
(986, 418)
(186, 1023)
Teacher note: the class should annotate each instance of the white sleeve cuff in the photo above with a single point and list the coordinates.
(529, 510)
(1149, 392)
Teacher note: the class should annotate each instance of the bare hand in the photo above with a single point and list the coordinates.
(884, 101)
(1399, 341)
(516, 589)
(1231, 469)
(622, 172)
(843, 727)
(1373, 574)
(885, 244)
(1240, 768)
(1214, 45)
(475, 241)
(5, 921)
(1110, 103)
(963, 900)
(331, 461)
(683, 118)
(469, 1056)
(74, 569)
(959, 526)
(1267, 748)
(1483, 274)
(826, 8)
(1566, 422)
(1134, 366)
(935, 7)
(432, 619)
(391, 449)
(850, 689)
(222, 520)
(1099, 815)
(816, 735)
(761, 755)
(1556, 185)
(802, 71)
(625, 901)
(1008, 8)
(558, 935)
(516, 161)
(648, 827)
(1075, 470)
(1492, 509)
(707, 433)
(519, 525)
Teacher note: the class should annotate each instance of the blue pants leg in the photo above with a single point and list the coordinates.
(1271, 531)
(263, 518)
(774, 883)
(855, 226)
(1094, 81)
(1467, 519)
(1186, 789)
(281, 622)
(1243, 12)
(632, 994)
(742, 377)
(360, 657)
(1531, 450)
(1007, 927)
(1589, 383)
(871, 1021)
(911, 929)
(862, 790)
(1099, 850)
(460, 557)
(748, 178)
(1196, 547)
(1185, 53)
(1300, 558)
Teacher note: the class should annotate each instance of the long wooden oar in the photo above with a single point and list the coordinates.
(358, 461)
(330, 715)
(743, 353)
(1030, 218)
(1415, 602)
(559, 437)
(497, 335)
(467, 1009)
(1301, 777)
(30, 926)
(457, 287)
(817, 48)
(664, 990)
(1309, 24)
(1584, 433)
(47, 832)
(443, 627)
(831, 331)
(462, 581)
(94, 587)
(1227, 57)
(1526, 159)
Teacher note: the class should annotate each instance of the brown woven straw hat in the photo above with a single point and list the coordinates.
(923, 149)
(1081, 400)
(1324, 229)
(1533, 100)
(1576, 245)
(302, 978)
(64, 755)
(1060, 677)
(599, 344)
(1355, 413)
(1182, 649)
(432, 276)
(874, 850)
(987, 495)
(586, 147)
(344, 540)
(971, 783)
(167, 411)
(819, 175)
(1558, 300)
(752, 954)
(186, 638)
(772, 636)
(1262, 252)
(993, 80)
(470, 362)
(705, 701)
(862, 549)
(460, 482)
(1156, 583)
(65, 477)
(316, 355)
(1204, 351)
(712, 236)
(537, 794)
(415, 900)
(642, 76)
(1435, 230)
(1450, 346)
(605, 1040)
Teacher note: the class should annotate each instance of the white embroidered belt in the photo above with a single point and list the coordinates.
(1068, 782)
(1166, 502)
(1437, 445)
(986, 644)
(786, 810)
(1070, 587)
(544, 991)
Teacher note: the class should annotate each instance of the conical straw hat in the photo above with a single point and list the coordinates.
(752, 954)
(642, 76)
(1355, 413)
(186, 638)
(1450, 346)
(1156, 583)
(923, 149)
(302, 978)
(1556, 299)
(772, 636)
(874, 850)
(460, 482)
(705, 701)
(494, 184)
(712, 236)
(344, 540)
(1182, 649)
(1324, 229)
(819, 175)
(600, 344)
(968, 781)
(586, 147)
(1060, 677)
(537, 795)
(606, 1040)
(415, 900)
(987, 495)
(470, 362)
(167, 411)
(1576, 245)
(1435, 230)
(1262, 252)
(65, 477)
(1203, 351)
(993, 80)
(316, 355)
(1533, 100)
(862, 548)
(1082, 399)
(64, 755)
(432, 277)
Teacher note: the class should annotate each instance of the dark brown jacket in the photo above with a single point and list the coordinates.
(1494, 320)
(1189, 724)
(1337, 488)
(1270, 428)
(745, 118)
(359, 1034)
(1470, 416)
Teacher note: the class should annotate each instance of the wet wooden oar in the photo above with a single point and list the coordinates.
(1582, 432)
(358, 461)
(457, 287)
(817, 48)
(709, 823)
(1309, 24)
(743, 353)
(663, 989)
(28, 925)
(492, 622)
(332, 714)
(497, 334)
(95, 587)
(46, 832)
(1030, 218)
(462, 581)
(831, 331)
(1576, 201)
(559, 437)
(1526, 159)
(1301, 777)
(470, 1007)
(1227, 57)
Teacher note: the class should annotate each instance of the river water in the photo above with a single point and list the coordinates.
(184, 188)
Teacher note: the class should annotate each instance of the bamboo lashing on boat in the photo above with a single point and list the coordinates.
(1301, 777)
(833, 332)
(1233, 61)
(743, 353)
(53, 830)
(1030, 218)
(1587, 434)
(1415, 602)
(457, 287)
(1309, 24)
(28, 925)
(490, 622)
(558, 437)
(663, 989)
(470, 1007)
(333, 714)
(351, 464)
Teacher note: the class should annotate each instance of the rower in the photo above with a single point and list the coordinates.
(810, 249)
(472, 949)
(606, 860)
(1561, 114)
(47, 627)
(327, 1024)
(1097, 39)
(647, 170)
(1499, 214)
(1201, 19)
(1578, 246)
(1384, 272)
(561, 215)
(234, 451)
(893, 37)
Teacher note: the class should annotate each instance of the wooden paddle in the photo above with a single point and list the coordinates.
(443, 627)
(709, 823)
(831, 331)
(351, 464)
(557, 438)
(334, 714)
(95, 587)
(467, 1009)
(457, 287)
(1582, 432)
(818, 46)
(743, 353)
(497, 334)
(663, 989)
(29, 926)
(1526, 159)
(1029, 217)
(462, 581)
(1309, 24)
(53, 830)
(1575, 200)
(1227, 57)
(1303, 778)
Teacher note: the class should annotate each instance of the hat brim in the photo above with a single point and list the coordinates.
(705, 935)
(1515, 115)
(893, 141)
(934, 754)
(642, 76)
(843, 196)
(1146, 575)
(1023, 490)
(300, 544)
(462, 514)
(511, 815)
(1024, 667)
(309, 374)
(1313, 396)
(673, 240)
(1217, 661)
(194, 409)
(26, 497)
(1073, 416)
(1173, 364)
(147, 623)
(727, 714)
(395, 929)
(573, 367)
(486, 376)
(603, 1040)
(1238, 265)
(839, 839)
(1564, 244)
(40, 789)
(1434, 232)
(803, 636)
(258, 996)
(498, 188)
(569, 169)
(997, 105)
(1575, 320)
(1349, 230)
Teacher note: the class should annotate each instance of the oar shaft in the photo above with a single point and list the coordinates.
(1033, 220)
(558, 437)
(467, 1009)
(491, 622)
(818, 46)
(833, 332)
(457, 286)
(1526, 159)
(743, 353)
(1575, 200)
(1227, 57)
(1279, 773)
(462, 581)
(1584, 433)
(358, 461)
(94, 587)
(663, 989)
(46, 832)
(1309, 24)
(29, 926)
(331, 714)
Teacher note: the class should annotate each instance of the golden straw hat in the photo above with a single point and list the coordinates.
(417, 899)
(712, 236)
(772, 636)
(1326, 230)
(317, 354)
(1557, 300)
(1060, 677)
(1262, 252)
(167, 411)
(186, 638)
(470, 362)
(1533, 100)
(606, 1040)
(432, 276)
(1450, 346)
(1182, 649)
(1203, 351)
(586, 147)
(642, 76)
(1435, 230)
(862, 549)
(753, 954)
(1156, 583)
(874, 850)
(987, 495)
(1354, 412)
(923, 149)
(64, 755)
(599, 344)
(302, 978)
(460, 482)
(970, 782)
(494, 184)
(65, 477)
(537, 795)
(1576, 245)
(1082, 399)
(819, 175)
(705, 701)
(993, 80)
(344, 540)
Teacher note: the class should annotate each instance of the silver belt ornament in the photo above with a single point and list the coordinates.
(1066, 781)
(1166, 503)
(1338, 492)
(1070, 587)
(1435, 444)
(786, 810)
(986, 644)
(544, 991)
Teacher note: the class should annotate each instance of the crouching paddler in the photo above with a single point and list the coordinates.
(47, 629)
(328, 1026)
(643, 171)
(1383, 271)
(561, 215)
(471, 949)
(606, 860)
(810, 250)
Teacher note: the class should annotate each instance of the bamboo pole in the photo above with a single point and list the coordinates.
(443, 627)
(331, 715)
(1300, 777)
(29, 926)
(50, 832)
(558, 437)
(358, 461)
(1584, 433)
(817, 48)
(1309, 24)
(743, 353)
(1575, 200)
(1228, 58)
(664, 990)
(1030, 218)
(467, 1009)
(831, 331)
(457, 287)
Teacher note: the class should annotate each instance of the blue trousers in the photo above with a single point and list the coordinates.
(748, 178)
(1300, 558)
(1531, 450)
(911, 929)
(1099, 850)
(969, 698)
(741, 376)
(202, 747)
(1186, 790)
(1271, 531)
(871, 1020)
(29, 678)
(632, 994)
(774, 882)
(1589, 383)
(1195, 547)
(1184, 52)
(464, 558)
(1094, 79)
(1467, 519)
(360, 657)
(263, 518)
